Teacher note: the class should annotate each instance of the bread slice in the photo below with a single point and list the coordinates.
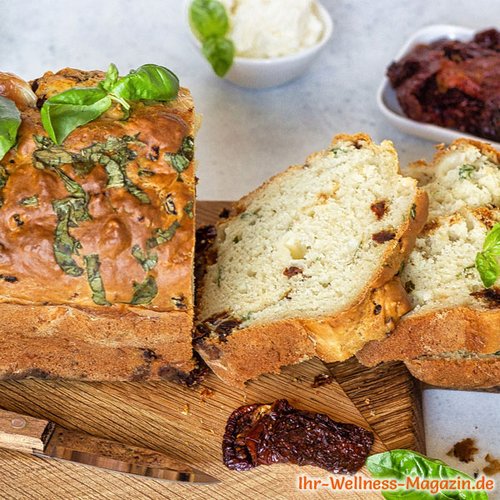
(306, 265)
(452, 310)
(458, 370)
(102, 291)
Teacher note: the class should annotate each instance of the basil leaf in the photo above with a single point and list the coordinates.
(10, 119)
(187, 147)
(49, 155)
(147, 261)
(150, 82)
(30, 201)
(180, 161)
(488, 268)
(219, 52)
(400, 464)
(114, 155)
(465, 171)
(492, 240)
(487, 261)
(188, 209)
(111, 78)
(161, 236)
(73, 188)
(144, 292)
(94, 278)
(4, 177)
(116, 178)
(64, 244)
(63, 113)
(208, 18)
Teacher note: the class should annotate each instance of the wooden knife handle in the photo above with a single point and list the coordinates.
(23, 433)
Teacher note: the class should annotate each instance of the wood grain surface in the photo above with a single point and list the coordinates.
(187, 424)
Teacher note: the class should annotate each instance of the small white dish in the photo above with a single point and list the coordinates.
(264, 73)
(387, 100)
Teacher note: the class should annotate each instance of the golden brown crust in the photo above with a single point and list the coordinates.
(460, 373)
(70, 343)
(119, 221)
(16, 89)
(398, 250)
(485, 149)
(437, 332)
(252, 351)
(118, 218)
(340, 337)
(256, 350)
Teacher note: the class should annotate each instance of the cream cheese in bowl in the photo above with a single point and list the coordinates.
(273, 28)
(259, 43)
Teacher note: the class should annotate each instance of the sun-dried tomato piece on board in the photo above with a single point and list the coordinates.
(265, 434)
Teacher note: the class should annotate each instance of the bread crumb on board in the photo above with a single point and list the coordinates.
(321, 380)
(464, 450)
(186, 410)
(206, 393)
(493, 466)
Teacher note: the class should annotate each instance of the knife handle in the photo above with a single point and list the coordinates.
(23, 433)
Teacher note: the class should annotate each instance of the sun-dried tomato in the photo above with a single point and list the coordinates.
(383, 236)
(452, 83)
(265, 434)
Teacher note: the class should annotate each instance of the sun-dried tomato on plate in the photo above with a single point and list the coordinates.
(452, 83)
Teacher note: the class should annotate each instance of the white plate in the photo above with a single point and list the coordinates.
(386, 96)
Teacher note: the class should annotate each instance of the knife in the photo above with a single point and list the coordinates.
(45, 439)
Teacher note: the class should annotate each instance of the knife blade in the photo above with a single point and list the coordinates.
(45, 439)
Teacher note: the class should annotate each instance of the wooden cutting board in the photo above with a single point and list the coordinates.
(188, 424)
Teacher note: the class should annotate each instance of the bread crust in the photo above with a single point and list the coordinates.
(78, 344)
(464, 373)
(266, 348)
(340, 337)
(52, 326)
(437, 332)
(256, 350)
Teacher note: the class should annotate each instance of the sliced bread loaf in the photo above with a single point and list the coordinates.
(453, 312)
(306, 264)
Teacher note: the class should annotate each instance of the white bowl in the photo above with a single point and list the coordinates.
(264, 73)
(387, 100)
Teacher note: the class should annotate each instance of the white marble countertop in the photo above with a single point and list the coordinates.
(249, 135)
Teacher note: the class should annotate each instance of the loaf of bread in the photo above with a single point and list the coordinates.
(306, 264)
(455, 321)
(97, 240)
